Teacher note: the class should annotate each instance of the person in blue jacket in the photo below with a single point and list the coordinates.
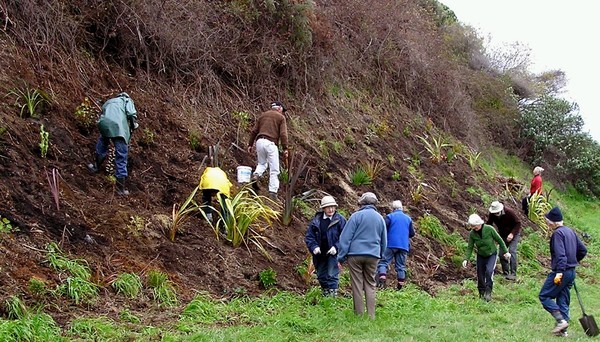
(399, 231)
(566, 250)
(362, 244)
(322, 240)
(118, 120)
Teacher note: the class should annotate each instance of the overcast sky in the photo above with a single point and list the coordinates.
(561, 34)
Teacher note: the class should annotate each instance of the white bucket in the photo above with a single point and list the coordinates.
(244, 174)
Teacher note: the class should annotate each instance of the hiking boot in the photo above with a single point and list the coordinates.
(254, 180)
(95, 166)
(273, 195)
(121, 191)
(381, 278)
(333, 292)
(487, 295)
(400, 285)
(511, 277)
(560, 327)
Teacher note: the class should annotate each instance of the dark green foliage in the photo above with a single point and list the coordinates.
(268, 278)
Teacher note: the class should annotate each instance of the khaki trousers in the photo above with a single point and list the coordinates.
(362, 277)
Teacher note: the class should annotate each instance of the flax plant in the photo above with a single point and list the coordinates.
(435, 147)
(182, 213)
(29, 100)
(538, 207)
(243, 219)
(53, 183)
(289, 187)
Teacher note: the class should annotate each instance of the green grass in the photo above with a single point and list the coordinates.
(128, 284)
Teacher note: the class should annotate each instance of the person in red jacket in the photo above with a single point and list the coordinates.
(535, 188)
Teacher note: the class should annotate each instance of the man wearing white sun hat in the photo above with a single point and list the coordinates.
(322, 240)
(509, 228)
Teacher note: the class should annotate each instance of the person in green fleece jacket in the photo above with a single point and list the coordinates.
(483, 236)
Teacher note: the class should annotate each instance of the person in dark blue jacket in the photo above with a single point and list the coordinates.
(399, 231)
(322, 239)
(566, 250)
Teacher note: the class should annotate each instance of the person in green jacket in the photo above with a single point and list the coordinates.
(483, 237)
(118, 120)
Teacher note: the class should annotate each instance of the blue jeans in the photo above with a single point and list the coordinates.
(561, 293)
(399, 256)
(485, 272)
(327, 270)
(121, 150)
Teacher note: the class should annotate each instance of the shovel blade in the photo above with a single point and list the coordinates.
(589, 325)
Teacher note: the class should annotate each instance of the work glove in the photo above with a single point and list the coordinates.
(558, 278)
(507, 256)
(464, 264)
(317, 251)
(136, 125)
(332, 250)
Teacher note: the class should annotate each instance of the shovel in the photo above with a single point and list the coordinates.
(587, 321)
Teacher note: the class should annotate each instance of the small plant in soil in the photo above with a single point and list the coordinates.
(182, 213)
(44, 141)
(6, 226)
(128, 284)
(127, 316)
(162, 288)
(359, 177)
(30, 101)
(84, 114)
(136, 225)
(194, 140)
(267, 278)
(147, 137)
(37, 288)
(396, 176)
(78, 289)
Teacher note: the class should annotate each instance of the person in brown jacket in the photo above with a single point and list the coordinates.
(270, 129)
(509, 229)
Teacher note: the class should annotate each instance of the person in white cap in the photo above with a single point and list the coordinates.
(322, 240)
(509, 228)
(399, 231)
(483, 237)
(534, 188)
(362, 244)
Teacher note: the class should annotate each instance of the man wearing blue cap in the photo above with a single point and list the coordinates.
(566, 250)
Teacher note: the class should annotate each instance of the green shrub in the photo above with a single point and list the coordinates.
(268, 278)
(84, 113)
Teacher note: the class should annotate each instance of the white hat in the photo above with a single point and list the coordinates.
(537, 170)
(367, 198)
(328, 201)
(496, 207)
(475, 220)
(397, 205)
